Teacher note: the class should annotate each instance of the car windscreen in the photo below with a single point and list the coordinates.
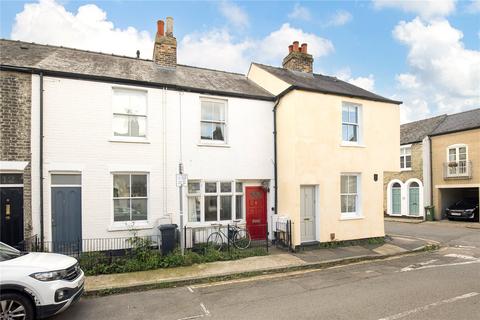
(8, 253)
(466, 204)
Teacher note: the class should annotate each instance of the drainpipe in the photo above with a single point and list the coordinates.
(431, 172)
(275, 170)
(42, 235)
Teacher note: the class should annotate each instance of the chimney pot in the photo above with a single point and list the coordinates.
(290, 48)
(304, 47)
(160, 28)
(295, 46)
(169, 26)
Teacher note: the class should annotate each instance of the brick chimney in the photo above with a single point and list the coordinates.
(165, 48)
(298, 58)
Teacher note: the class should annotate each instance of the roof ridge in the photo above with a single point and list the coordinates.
(77, 49)
(454, 114)
(115, 55)
(426, 119)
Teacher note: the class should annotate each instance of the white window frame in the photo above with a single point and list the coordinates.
(224, 122)
(130, 138)
(129, 223)
(358, 124)
(358, 200)
(404, 148)
(457, 147)
(202, 194)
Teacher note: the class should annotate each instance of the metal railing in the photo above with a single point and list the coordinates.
(457, 169)
(283, 234)
(118, 245)
(196, 237)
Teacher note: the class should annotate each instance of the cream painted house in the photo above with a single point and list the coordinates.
(333, 143)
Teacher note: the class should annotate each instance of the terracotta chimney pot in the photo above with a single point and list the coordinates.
(295, 46)
(304, 47)
(160, 28)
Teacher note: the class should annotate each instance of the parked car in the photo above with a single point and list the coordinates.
(465, 209)
(37, 285)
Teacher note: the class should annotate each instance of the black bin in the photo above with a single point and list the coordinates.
(168, 233)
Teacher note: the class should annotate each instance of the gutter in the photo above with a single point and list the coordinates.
(140, 83)
(42, 232)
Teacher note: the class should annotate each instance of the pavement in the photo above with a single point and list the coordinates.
(273, 263)
(441, 285)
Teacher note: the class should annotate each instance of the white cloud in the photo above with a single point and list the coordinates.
(425, 8)
(443, 73)
(367, 83)
(474, 6)
(339, 18)
(48, 22)
(300, 12)
(218, 49)
(234, 14)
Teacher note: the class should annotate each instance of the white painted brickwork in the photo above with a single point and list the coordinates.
(78, 134)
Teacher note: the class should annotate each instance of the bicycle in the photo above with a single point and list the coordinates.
(238, 236)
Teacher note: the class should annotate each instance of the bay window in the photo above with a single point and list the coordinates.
(214, 201)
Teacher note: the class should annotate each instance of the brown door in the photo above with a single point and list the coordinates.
(256, 208)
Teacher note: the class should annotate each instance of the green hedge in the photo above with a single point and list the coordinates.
(143, 258)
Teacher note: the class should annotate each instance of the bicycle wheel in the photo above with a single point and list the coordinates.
(241, 239)
(215, 240)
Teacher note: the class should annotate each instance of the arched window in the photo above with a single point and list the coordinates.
(396, 198)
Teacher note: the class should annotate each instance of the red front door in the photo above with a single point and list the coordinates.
(256, 199)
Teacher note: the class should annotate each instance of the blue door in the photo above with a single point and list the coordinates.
(67, 219)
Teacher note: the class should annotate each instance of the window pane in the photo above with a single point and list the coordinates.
(121, 185)
(218, 111)
(225, 187)
(352, 132)
(121, 210)
(139, 209)
(343, 200)
(120, 101)
(193, 187)
(408, 151)
(402, 151)
(344, 114)
(402, 162)
(344, 184)
(207, 131)
(353, 116)
(11, 178)
(239, 187)
(210, 187)
(207, 110)
(239, 207)
(138, 126)
(120, 125)
(139, 185)
(462, 150)
(218, 132)
(408, 161)
(351, 203)
(226, 208)
(193, 209)
(66, 179)
(352, 184)
(345, 132)
(211, 208)
(452, 155)
(138, 103)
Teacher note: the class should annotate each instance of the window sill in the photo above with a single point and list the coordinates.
(224, 223)
(218, 145)
(344, 218)
(129, 140)
(406, 169)
(355, 145)
(127, 226)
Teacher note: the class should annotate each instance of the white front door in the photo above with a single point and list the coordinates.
(307, 213)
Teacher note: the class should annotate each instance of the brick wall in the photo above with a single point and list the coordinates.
(298, 61)
(15, 124)
(416, 172)
(165, 52)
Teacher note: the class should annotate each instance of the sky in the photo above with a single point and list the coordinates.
(424, 53)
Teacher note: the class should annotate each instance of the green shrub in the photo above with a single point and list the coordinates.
(142, 257)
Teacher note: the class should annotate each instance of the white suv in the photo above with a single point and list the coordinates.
(37, 285)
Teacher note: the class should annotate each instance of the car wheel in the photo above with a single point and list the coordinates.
(15, 307)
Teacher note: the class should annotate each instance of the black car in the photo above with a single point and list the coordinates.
(466, 209)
